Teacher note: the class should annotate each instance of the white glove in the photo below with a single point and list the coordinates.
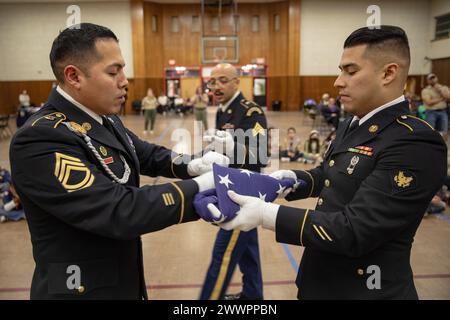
(253, 212)
(202, 165)
(205, 181)
(222, 142)
(283, 174)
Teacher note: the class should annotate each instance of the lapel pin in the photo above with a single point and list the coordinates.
(373, 128)
(103, 151)
(86, 126)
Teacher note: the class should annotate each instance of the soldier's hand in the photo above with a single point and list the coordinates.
(221, 142)
(253, 212)
(204, 164)
(287, 174)
(205, 206)
(205, 181)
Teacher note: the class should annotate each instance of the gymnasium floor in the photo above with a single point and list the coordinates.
(176, 259)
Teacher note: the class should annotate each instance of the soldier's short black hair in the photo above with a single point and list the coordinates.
(291, 128)
(390, 39)
(76, 45)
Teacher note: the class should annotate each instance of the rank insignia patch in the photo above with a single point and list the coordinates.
(72, 173)
(403, 180)
(258, 129)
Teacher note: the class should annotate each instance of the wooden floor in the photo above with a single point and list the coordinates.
(176, 259)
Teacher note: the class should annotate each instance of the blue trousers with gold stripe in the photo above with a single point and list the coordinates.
(232, 248)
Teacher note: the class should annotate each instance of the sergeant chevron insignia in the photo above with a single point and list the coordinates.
(72, 173)
(258, 129)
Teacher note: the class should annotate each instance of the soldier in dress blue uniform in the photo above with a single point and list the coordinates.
(76, 169)
(236, 247)
(373, 187)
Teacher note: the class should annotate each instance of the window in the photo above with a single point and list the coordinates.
(175, 25)
(442, 26)
(195, 24)
(154, 23)
(255, 24)
(276, 22)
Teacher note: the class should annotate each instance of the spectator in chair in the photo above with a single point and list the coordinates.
(290, 149)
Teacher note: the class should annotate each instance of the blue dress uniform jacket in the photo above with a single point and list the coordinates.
(246, 115)
(374, 186)
(85, 228)
(238, 247)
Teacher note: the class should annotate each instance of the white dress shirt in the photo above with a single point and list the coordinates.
(375, 111)
(224, 107)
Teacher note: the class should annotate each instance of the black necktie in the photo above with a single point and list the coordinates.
(352, 127)
(107, 124)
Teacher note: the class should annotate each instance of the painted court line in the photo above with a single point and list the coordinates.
(199, 285)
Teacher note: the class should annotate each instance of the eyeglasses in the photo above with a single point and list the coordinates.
(214, 82)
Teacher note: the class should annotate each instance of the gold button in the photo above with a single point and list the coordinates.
(327, 183)
(320, 201)
(80, 289)
(331, 163)
(360, 272)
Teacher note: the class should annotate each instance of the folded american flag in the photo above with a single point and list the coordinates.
(243, 182)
